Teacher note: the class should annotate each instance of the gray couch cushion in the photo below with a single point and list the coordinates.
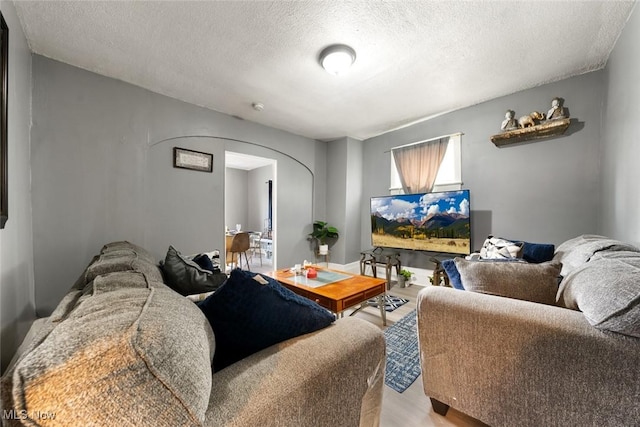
(607, 291)
(575, 252)
(118, 280)
(530, 282)
(122, 279)
(125, 245)
(125, 354)
(122, 260)
(127, 274)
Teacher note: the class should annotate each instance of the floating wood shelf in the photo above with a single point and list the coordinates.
(543, 130)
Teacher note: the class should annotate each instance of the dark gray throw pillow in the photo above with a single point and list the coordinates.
(519, 280)
(186, 277)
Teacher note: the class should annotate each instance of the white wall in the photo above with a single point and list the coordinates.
(17, 300)
(620, 149)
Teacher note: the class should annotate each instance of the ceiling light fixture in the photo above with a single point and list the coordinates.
(337, 58)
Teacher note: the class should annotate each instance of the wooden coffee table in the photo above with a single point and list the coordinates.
(336, 290)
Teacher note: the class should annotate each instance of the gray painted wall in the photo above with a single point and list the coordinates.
(344, 197)
(620, 208)
(176, 201)
(102, 171)
(236, 199)
(337, 165)
(17, 301)
(542, 191)
(354, 200)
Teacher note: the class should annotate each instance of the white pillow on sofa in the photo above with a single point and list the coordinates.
(497, 248)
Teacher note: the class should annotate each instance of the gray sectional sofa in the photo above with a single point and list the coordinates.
(512, 362)
(122, 348)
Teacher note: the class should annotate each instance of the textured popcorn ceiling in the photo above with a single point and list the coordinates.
(415, 59)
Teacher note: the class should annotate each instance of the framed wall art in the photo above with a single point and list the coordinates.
(4, 89)
(194, 160)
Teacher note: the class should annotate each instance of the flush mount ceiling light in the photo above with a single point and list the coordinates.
(337, 58)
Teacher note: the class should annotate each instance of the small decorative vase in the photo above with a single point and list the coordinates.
(402, 281)
(323, 249)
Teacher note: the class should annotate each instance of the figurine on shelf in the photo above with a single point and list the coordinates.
(509, 123)
(529, 119)
(557, 110)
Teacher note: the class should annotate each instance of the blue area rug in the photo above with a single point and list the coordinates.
(403, 359)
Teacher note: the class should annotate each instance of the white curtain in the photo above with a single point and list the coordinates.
(418, 164)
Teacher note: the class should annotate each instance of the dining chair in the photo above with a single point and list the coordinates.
(256, 245)
(239, 246)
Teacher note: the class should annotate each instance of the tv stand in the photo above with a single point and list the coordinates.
(387, 257)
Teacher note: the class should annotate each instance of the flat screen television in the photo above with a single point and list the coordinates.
(433, 222)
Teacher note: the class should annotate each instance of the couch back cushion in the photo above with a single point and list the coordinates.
(123, 256)
(137, 351)
(575, 252)
(123, 344)
(607, 291)
(117, 257)
(519, 280)
(141, 252)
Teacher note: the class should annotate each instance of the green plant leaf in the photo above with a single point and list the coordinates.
(322, 230)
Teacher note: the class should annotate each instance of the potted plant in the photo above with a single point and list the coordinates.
(403, 277)
(321, 231)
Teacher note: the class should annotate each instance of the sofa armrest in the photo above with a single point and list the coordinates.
(334, 376)
(512, 362)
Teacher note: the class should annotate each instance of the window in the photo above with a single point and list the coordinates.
(449, 175)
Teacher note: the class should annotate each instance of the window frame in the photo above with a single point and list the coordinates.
(453, 155)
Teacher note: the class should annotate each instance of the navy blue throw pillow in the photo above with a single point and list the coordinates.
(251, 312)
(452, 271)
(204, 262)
(538, 252)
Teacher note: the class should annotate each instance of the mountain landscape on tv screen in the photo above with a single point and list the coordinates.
(437, 222)
(438, 225)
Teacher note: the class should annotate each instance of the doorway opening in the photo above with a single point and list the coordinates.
(250, 206)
